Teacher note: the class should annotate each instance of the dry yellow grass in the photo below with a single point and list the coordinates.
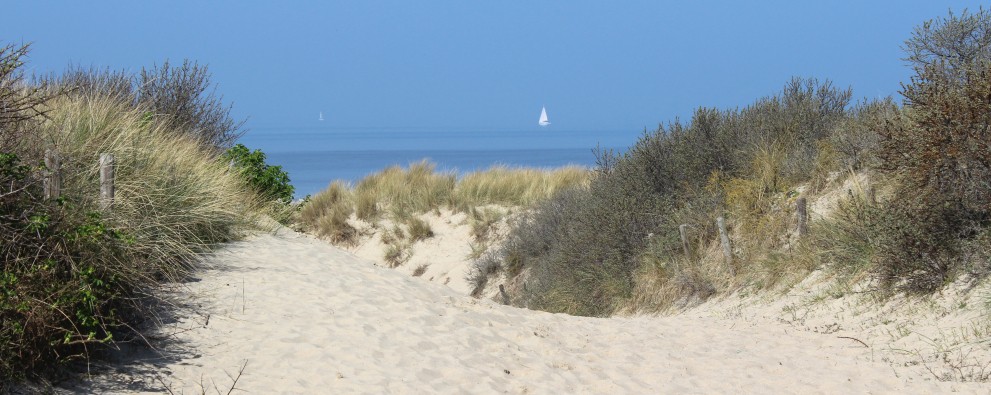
(515, 186)
(172, 194)
(403, 193)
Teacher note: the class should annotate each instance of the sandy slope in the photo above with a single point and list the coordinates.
(310, 318)
(444, 256)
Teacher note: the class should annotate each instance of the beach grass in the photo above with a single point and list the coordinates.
(400, 194)
(79, 276)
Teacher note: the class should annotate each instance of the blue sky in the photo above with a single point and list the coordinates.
(596, 65)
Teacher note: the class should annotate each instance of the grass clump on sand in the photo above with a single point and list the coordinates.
(327, 214)
(395, 200)
(77, 277)
(616, 244)
(400, 195)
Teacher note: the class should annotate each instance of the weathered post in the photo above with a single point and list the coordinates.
(683, 230)
(106, 181)
(727, 248)
(53, 175)
(801, 210)
(505, 296)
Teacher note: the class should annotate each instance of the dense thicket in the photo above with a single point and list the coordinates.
(585, 251)
(940, 151)
(584, 247)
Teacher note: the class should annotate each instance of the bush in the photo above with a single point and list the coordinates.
(20, 103)
(186, 96)
(937, 155)
(940, 152)
(180, 96)
(942, 149)
(585, 247)
(270, 181)
(856, 138)
(952, 45)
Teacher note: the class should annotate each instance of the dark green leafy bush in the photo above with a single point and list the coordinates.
(270, 181)
(54, 302)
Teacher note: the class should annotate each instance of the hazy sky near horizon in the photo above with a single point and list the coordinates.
(596, 65)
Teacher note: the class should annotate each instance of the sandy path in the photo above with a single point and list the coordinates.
(310, 318)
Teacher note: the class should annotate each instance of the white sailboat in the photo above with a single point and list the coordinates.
(321, 116)
(543, 117)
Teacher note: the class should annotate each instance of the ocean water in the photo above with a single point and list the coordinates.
(314, 157)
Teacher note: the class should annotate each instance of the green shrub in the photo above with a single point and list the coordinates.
(270, 181)
(940, 153)
(585, 247)
(942, 149)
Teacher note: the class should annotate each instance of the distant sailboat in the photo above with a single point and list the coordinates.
(321, 116)
(543, 117)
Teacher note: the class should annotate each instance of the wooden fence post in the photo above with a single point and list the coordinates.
(53, 175)
(801, 210)
(683, 230)
(505, 296)
(727, 248)
(106, 181)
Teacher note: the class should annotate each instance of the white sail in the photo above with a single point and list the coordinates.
(543, 117)
(321, 115)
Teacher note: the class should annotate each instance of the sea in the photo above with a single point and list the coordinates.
(314, 157)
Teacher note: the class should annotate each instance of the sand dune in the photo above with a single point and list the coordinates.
(301, 316)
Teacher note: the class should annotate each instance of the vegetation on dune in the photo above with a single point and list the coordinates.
(399, 197)
(77, 277)
(181, 97)
(584, 248)
(616, 243)
(401, 194)
(270, 181)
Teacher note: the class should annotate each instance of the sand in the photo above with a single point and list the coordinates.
(296, 315)
(444, 257)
